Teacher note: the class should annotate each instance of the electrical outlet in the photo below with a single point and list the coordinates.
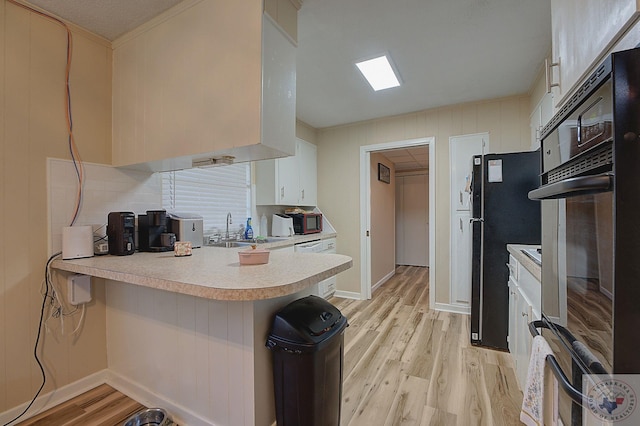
(79, 289)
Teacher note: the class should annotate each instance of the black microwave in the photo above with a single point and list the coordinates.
(307, 223)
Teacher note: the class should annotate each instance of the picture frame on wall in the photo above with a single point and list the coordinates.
(384, 174)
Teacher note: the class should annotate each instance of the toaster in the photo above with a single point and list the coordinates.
(187, 227)
(281, 226)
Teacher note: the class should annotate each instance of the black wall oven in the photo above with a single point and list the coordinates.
(590, 192)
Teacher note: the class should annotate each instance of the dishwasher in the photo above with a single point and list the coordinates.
(327, 287)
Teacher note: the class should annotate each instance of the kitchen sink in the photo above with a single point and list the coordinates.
(264, 240)
(246, 243)
(231, 244)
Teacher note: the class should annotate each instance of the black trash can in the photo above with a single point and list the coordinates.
(307, 341)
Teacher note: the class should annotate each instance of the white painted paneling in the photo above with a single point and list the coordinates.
(203, 358)
(106, 189)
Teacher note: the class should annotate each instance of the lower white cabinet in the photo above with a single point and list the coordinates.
(522, 310)
(461, 260)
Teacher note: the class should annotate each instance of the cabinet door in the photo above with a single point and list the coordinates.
(513, 318)
(523, 343)
(288, 182)
(461, 259)
(535, 124)
(582, 33)
(307, 163)
(462, 150)
(170, 101)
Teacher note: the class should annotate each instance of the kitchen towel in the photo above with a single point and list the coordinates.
(532, 413)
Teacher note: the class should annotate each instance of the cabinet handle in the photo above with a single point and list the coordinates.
(460, 197)
(460, 225)
(524, 314)
(303, 194)
(282, 192)
(549, 75)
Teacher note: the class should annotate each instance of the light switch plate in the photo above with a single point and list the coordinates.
(79, 289)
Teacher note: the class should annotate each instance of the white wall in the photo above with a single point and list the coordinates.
(33, 128)
(383, 218)
(506, 119)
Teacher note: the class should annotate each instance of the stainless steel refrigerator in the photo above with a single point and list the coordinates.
(502, 214)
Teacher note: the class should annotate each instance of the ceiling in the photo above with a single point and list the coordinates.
(405, 159)
(446, 51)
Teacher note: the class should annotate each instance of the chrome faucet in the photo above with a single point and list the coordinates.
(229, 222)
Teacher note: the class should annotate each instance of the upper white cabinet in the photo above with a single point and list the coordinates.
(291, 181)
(461, 152)
(540, 116)
(582, 33)
(204, 80)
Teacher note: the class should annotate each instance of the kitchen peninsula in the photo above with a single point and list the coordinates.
(188, 333)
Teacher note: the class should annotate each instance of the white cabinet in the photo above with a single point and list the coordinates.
(582, 32)
(202, 81)
(327, 288)
(461, 152)
(290, 181)
(307, 155)
(540, 116)
(461, 264)
(524, 307)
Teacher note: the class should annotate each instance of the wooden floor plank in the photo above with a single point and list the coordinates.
(475, 406)
(357, 347)
(408, 406)
(359, 384)
(101, 406)
(434, 417)
(375, 407)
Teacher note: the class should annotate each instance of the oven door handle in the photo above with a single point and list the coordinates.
(573, 186)
(575, 394)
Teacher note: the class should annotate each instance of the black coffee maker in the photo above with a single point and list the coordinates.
(121, 229)
(152, 232)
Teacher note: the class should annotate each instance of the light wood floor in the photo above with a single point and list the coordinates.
(407, 365)
(404, 365)
(102, 406)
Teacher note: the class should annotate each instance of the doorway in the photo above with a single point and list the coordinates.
(366, 208)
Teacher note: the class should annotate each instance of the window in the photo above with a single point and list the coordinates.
(212, 193)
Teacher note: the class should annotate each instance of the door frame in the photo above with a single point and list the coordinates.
(365, 210)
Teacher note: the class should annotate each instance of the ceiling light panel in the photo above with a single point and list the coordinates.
(379, 73)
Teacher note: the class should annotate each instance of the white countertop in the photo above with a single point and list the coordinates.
(524, 260)
(215, 273)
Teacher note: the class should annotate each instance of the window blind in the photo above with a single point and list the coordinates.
(212, 193)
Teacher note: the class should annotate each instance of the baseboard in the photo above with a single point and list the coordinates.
(383, 280)
(146, 397)
(456, 309)
(348, 295)
(55, 397)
